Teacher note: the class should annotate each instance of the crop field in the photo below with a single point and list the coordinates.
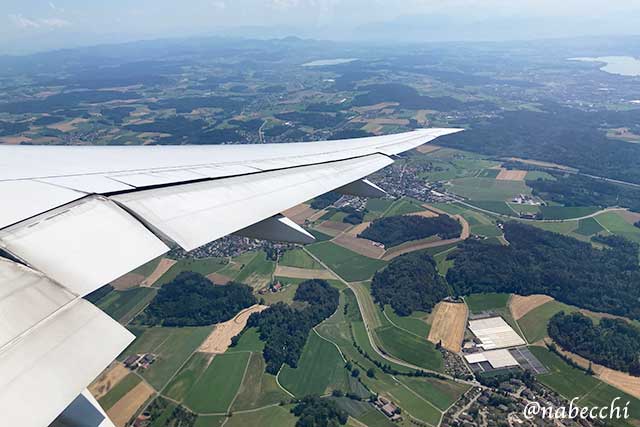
(489, 173)
(488, 189)
(405, 346)
(118, 392)
(485, 302)
(603, 394)
(415, 323)
(187, 376)
(410, 401)
(499, 206)
(320, 368)
(376, 207)
(362, 411)
(124, 305)
(347, 264)
(439, 392)
(203, 266)
(258, 388)
(534, 323)
(588, 227)
(274, 416)
(615, 223)
(521, 208)
(534, 175)
(173, 346)
(258, 272)
(520, 306)
(566, 212)
(298, 258)
(216, 388)
(448, 323)
(209, 421)
(237, 264)
(403, 206)
(146, 269)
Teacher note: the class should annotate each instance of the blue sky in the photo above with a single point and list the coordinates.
(35, 25)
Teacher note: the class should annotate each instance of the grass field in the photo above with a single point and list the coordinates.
(210, 421)
(274, 416)
(486, 302)
(299, 258)
(147, 269)
(125, 305)
(499, 206)
(187, 377)
(237, 264)
(488, 173)
(120, 389)
(564, 379)
(173, 346)
(415, 350)
(523, 208)
(258, 272)
(403, 206)
(218, 385)
(362, 411)
(203, 266)
(533, 175)
(441, 393)
(534, 323)
(249, 341)
(603, 394)
(320, 236)
(588, 227)
(347, 264)
(614, 223)
(414, 323)
(488, 189)
(258, 388)
(376, 207)
(320, 368)
(566, 212)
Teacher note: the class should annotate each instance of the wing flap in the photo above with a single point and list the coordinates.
(70, 244)
(195, 214)
(44, 370)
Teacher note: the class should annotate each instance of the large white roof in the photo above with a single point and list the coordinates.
(494, 332)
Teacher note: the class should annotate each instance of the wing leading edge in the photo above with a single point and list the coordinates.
(79, 217)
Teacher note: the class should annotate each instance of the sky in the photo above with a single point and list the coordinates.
(35, 25)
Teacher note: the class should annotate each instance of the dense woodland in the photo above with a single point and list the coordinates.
(325, 200)
(578, 190)
(394, 230)
(192, 300)
(613, 342)
(541, 262)
(410, 282)
(313, 411)
(285, 329)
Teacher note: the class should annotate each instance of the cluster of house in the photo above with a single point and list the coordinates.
(142, 361)
(525, 199)
(388, 408)
(273, 288)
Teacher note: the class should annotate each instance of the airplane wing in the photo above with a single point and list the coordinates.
(75, 218)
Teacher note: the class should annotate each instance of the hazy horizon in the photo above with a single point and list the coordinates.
(43, 25)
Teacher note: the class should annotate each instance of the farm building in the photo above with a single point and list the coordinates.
(494, 333)
(496, 358)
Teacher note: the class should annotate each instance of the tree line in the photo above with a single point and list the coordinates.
(394, 230)
(542, 262)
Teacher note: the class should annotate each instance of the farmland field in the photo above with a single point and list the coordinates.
(299, 258)
(486, 302)
(493, 206)
(414, 323)
(488, 189)
(403, 206)
(203, 266)
(258, 388)
(258, 272)
(534, 323)
(408, 347)
(616, 224)
(320, 367)
(441, 393)
(117, 392)
(274, 416)
(566, 212)
(349, 265)
(124, 305)
(172, 346)
(187, 377)
(588, 227)
(218, 385)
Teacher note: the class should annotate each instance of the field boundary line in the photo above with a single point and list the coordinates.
(416, 394)
(399, 327)
(280, 385)
(244, 374)
(331, 342)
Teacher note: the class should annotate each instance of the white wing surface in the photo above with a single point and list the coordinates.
(75, 218)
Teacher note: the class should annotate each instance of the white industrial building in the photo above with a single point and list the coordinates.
(496, 358)
(494, 333)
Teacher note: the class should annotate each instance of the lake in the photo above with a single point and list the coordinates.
(621, 65)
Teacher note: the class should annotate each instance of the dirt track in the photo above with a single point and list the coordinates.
(125, 408)
(163, 266)
(302, 273)
(520, 305)
(220, 338)
(448, 322)
(108, 379)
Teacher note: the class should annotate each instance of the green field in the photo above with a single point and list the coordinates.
(403, 206)
(562, 227)
(488, 189)
(534, 175)
(588, 227)
(362, 411)
(614, 223)
(258, 272)
(489, 173)
(486, 302)
(534, 323)
(203, 266)
(120, 389)
(187, 377)
(347, 264)
(258, 388)
(376, 207)
(566, 212)
(524, 208)
(415, 323)
(439, 392)
(603, 394)
(410, 348)
(210, 421)
(493, 206)
(273, 416)
(125, 305)
(320, 369)
(320, 236)
(249, 341)
(173, 346)
(147, 269)
(218, 385)
(237, 264)
(298, 258)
